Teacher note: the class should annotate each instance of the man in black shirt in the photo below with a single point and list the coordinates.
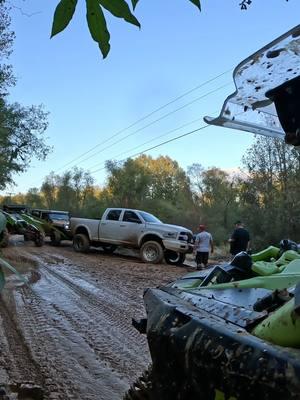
(240, 239)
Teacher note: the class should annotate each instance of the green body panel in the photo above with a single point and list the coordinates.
(30, 220)
(266, 254)
(265, 268)
(2, 280)
(289, 277)
(281, 327)
(287, 257)
(2, 222)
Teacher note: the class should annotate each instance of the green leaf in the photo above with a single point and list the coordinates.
(134, 3)
(63, 15)
(120, 9)
(97, 26)
(197, 3)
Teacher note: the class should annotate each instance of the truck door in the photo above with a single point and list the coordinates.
(109, 227)
(130, 228)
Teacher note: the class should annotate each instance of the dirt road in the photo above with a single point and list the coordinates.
(69, 332)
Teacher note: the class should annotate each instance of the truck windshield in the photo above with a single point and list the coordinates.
(149, 217)
(59, 216)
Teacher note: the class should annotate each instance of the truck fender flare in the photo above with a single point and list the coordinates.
(84, 230)
(150, 236)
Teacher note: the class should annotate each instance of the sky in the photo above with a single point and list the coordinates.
(105, 109)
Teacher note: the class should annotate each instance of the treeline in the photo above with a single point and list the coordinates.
(265, 194)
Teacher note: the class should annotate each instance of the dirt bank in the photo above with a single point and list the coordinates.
(69, 332)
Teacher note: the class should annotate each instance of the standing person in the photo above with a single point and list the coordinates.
(240, 239)
(203, 245)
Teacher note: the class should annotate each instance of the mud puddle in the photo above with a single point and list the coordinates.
(69, 332)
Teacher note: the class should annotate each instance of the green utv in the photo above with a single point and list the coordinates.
(233, 332)
(18, 223)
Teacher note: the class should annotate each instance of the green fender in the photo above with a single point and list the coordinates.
(2, 222)
(266, 254)
(287, 257)
(2, 280)
(289, 277)
(282, 327)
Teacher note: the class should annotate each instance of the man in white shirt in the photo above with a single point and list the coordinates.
(203, 245)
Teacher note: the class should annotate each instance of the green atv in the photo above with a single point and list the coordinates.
(233, 332)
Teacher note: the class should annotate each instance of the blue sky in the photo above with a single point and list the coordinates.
(177, 49)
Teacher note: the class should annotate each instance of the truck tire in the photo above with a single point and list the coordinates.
(109, 248)
(55, 238)
(81, 243)
(174, 258)
(151, 252)
(4, 238)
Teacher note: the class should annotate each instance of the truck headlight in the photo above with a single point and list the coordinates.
(184, 237)
(170, 235)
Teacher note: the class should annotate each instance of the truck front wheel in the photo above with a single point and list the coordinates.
(174, 258)
(81, 243)
(151, 252)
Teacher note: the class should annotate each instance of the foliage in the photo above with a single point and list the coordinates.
(21, 138)
(96, 18)
(73, 191)
(6, 41)
(270, 197)
(21, 128)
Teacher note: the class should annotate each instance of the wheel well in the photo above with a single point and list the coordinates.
(149, 237)
(82, 230)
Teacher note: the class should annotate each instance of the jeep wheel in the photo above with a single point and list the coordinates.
(109, 248)
(151, 252)
(55, 238)
(174, 258)
(81, 243)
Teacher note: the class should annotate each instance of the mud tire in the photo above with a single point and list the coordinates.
(39, 240)
(55, 238)
(174, 258)
(109, 248)
(142, 389)
(4, 238)
(151, 252)
(81, 243)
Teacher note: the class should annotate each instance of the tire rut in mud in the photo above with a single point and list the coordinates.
(71, 369)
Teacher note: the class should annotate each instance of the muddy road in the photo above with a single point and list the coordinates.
(69, 332)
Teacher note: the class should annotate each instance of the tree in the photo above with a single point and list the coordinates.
(21, 128)
(6, 40)
(270, 196)
(158, 185)
(216, 193)
(71, 191)
(21, 138)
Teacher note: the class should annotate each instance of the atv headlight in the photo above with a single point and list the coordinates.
(67, 226)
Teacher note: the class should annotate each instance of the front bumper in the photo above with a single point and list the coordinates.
(178, 246)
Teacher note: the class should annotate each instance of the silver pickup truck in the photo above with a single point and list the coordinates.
(136, 229)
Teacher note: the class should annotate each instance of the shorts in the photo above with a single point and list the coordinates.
(201, 257)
